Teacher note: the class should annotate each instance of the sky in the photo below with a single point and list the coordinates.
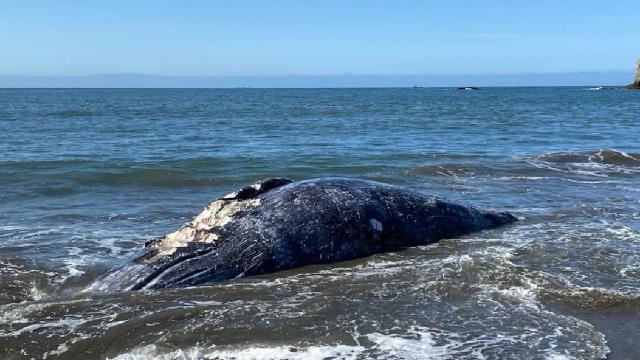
(317, 37)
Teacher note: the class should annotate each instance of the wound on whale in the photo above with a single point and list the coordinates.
(277, 224)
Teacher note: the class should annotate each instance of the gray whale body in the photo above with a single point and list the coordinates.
(277, 224)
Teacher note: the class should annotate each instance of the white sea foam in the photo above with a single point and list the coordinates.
(601, 163)
(73, 261)
(417, 343)
(414, 343)
(18, 313)
(67, 324)
(248, 353)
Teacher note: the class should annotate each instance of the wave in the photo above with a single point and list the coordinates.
(62, 175)
(130, 177)
(45, 164)
(447, 169)
(88, 164)
(416, 342)
(256, 352)
(592, 297)
(604, 156)
(143, 177)
(598, 163)
(418, 305)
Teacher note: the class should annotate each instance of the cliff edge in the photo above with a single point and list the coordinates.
(636, 82)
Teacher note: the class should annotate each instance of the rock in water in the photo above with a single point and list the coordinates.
(636, 83)
(278, 224)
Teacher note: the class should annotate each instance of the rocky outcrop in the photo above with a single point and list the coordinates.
(636, 83)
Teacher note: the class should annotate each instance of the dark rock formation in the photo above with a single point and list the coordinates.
(636, 83)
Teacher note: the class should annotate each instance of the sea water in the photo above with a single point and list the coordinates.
(88, 175)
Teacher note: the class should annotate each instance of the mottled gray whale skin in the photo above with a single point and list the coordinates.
(278, 224)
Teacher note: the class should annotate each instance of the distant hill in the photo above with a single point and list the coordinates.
(608, 78)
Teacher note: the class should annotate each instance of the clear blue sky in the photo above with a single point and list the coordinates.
(317, 37)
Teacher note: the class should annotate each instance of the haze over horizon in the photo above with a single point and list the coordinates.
(611, 78)
(491, 40)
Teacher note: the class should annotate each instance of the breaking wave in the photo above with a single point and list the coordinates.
(599, 163)
(604, 157)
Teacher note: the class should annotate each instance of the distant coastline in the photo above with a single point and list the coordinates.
(133, 80)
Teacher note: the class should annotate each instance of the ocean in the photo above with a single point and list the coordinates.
(88, 175)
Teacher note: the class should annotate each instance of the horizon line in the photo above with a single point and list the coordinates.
(346, 74)
(608, 87)
(141, 80)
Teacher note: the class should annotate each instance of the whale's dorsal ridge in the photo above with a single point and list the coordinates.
(257, 188)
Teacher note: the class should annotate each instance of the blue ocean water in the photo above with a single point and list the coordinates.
(88, 175)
